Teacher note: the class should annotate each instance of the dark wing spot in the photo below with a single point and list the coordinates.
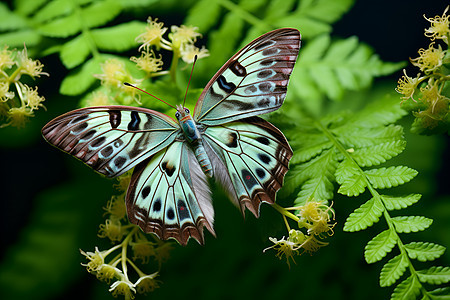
(148, 124)
(264, 74)
(135, 120)
(227, 87)
(118, 143)
(145, 191)
(114, 118)
(79, 119)
(80, 127)
(120, 161)
(169, 169)
(264, 45)
(238, 69)
(265, 87)
(157, 205)
(267, 62)
(97, 142)
(107, 151)
(264, 158)
(232, 140)
(260, 172)
(249, 180)
(88, 135)
(170, 214)
(251, 89)
(270, 51)
(265, 102)
(183, 212)
(263, 140)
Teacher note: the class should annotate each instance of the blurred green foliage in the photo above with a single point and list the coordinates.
(55, 215)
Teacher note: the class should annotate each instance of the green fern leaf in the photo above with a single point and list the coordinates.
(407, 224)
(393, 270)
(10, 20)
(118, 38)
(407, 289)
(204, 14)
(309, 145)
(389, 177)
(53, 10)
(378, 154)
(441, 293)
(100, 12)
(278, 9)
(364, 137)
(61, 27)
(435, 275)
(127, 4)
(364, 216)
(75, 52)
(26, 7)
(350, 178)
(79, 81)
(423, 251)
(392, 203)
(18, 38)
(379, 246)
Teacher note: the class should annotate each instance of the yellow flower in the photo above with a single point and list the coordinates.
(116, 207)
(163, 251)
(183, 35)
(29, 66)
(123, 181)
(430, 59)
(407, 86)
(439, 27)
(285, 248)
(147, 283)
(153, 35)
(96, 260)
(31, 97)
(112, 229)
(143, 250)
(6, 59)
(19, 115)
(123, 287)
(189, 51)
(148, 62)
(312, 244)
(114, 73)
(315, 216)
(107, 272)
(5, 94)
(98, 98)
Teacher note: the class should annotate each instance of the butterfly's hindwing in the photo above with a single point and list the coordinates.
(252, 82)
(113, 139)
(169, 195)
(254, 155)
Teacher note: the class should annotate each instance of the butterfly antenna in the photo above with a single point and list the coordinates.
(129, 84)
(190, 76)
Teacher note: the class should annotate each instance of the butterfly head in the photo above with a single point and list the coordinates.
(182, 113)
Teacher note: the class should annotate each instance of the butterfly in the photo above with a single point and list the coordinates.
(168, 194)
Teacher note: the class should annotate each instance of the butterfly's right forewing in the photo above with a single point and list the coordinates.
(111, 139)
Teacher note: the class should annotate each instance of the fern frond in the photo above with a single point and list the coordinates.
(435, 275)
(364, 216)
(393, 270)
(384, 178)
(380, 245)
(392, 202)
(407, 224)
(423, 251)
(378, 154)
(407, 289)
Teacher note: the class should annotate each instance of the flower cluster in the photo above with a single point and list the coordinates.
(18, 101)
(112, 264)
(315, 217)
(429, 104)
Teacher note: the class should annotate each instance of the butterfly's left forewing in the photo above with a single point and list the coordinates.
(169, 195)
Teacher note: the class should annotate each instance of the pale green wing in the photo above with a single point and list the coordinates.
(253, 82)
(169, 195)
(250, 158)
(111, 139)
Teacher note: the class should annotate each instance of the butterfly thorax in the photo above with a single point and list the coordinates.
(193, 136)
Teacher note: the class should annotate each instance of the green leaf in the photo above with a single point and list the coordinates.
(308, 146)
(393, 270)
(118, 38)
(75, 52)
(18, 38)
(435, 275)
(441, 293)
(26, 7)
(379, 246)
(61, 27)
(364, 137)
(423, 251)
(364, 216)
(407, 289)
(9, 20)
(392, 202)
(204, 14)
(350, 178)
(136, 3)
(407, 224)
(389, 177)
(100, 13)
(378, 154)
(78, 81)
(52, 10)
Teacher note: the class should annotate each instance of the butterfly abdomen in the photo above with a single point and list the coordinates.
(202, 158)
